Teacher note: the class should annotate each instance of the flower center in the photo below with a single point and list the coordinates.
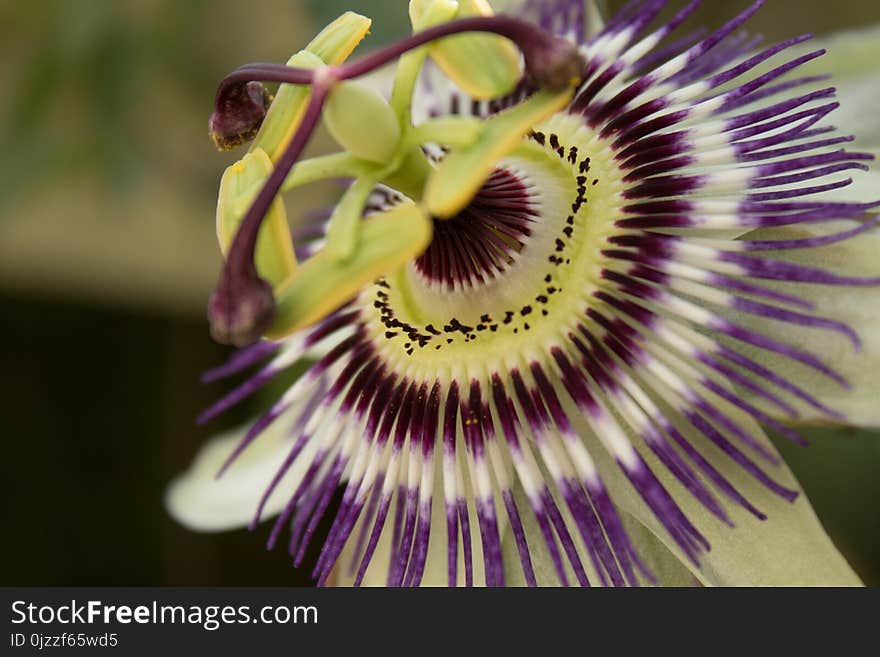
(483, 240)
(243, 306)
(515, 270)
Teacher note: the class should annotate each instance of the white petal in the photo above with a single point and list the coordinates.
(382, 80)
(790, 548)
(859, 96)
(436, 573)
(597, 10)
(666, 567)
(852, 61)
(858, 307)
(201, 502)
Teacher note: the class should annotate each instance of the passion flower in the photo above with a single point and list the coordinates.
(550, 289)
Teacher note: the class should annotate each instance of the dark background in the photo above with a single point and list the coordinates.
(107, 254)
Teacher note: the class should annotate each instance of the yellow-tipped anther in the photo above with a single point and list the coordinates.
(362, 122)
(331, 47)
(274, 256)
(484, 66)
(454, 183)
(387, 242)
(335, 43)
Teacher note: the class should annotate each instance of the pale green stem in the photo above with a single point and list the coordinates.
(405, 80)
(342, 230)
(338, 165)
(447, 130)
(411, 173)
(407, 172)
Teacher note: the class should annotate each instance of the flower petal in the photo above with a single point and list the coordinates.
(854, 306)
(436, 573)
(200, 501)
(790, 548)
(852, 61)
(859, 95)
(666, 567)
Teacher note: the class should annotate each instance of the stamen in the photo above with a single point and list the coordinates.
(242, 307)
(239, 110)
(552, 62)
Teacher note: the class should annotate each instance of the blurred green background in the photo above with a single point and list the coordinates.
(107, 256)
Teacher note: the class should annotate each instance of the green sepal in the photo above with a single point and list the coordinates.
(335, 43)
(410, 174)
(410, 66)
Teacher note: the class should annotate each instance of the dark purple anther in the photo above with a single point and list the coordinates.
(241, 308)
(239, 111)
(552, 63)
